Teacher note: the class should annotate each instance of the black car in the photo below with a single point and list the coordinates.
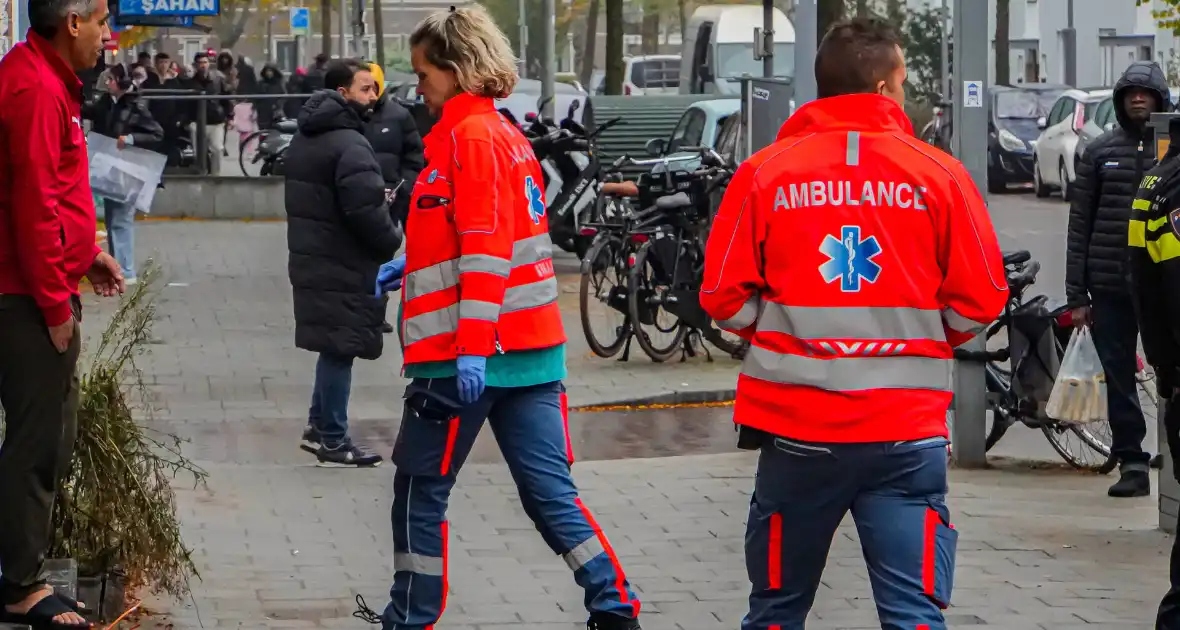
(1012, 132)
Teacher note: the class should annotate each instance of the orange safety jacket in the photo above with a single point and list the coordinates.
(479, 268)
(853, 257)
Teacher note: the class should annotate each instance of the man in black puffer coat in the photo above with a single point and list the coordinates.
(1097, 277)
(395, 139)
(339, 232)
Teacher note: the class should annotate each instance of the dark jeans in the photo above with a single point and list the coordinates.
(1116, 336)
(896, 492)
(39, 394)
(329, 398)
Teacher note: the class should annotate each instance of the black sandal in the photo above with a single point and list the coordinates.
(78, 607)
(40, 616)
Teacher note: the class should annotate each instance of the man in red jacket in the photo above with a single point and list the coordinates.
(853, 257)
(47, 245)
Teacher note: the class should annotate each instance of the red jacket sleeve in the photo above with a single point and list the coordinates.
(483, 216)
(974, 287)
(733, 282)
(36, 128)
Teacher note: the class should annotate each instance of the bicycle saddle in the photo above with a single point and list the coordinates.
(674, 202)
(287, 126)
(621, 189)
(1017, 257)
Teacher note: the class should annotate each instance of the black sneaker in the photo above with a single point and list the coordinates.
(311, 436)
(387, 328)
(345, 455)
(608, 621)
(1131, 483)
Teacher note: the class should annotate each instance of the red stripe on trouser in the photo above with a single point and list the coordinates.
(565, 421)
(442, 606)
(620, 578)
(774, 553)
(452, 435)
(928, 552)
(923, 626)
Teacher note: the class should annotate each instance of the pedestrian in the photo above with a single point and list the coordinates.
(477, 229)
(394, 136)
(1154, 240)
(339, 231)
(854, 258)
(1096, 287)
(47, 245)
(270, 111)
(208, 81)
(120, 114)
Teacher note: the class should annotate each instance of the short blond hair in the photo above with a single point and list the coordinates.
(467, 42)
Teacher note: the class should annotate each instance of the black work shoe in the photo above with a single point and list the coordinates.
(311, 436)
(608, 621)
(1131, 483)
(387, 328)
(346, 455)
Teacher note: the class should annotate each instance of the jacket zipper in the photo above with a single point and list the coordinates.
(499, 348)
(1139, 164)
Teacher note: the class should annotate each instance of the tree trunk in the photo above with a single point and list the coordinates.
(862, 8)
(682, 8)
(614, 47)
(1003, 44)
(895, 13)
(379, 34)
(326, 27)
(828, 13)
(590, 48)
(650, 29)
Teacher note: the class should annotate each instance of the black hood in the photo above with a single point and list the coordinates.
(327, 111)
(1141, 74)
(276, 73)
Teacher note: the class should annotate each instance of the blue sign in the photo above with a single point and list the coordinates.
(300, 19)
(123, 21)
(172, 8)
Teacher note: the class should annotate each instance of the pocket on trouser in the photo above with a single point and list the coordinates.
(940, 541)
(425, 442)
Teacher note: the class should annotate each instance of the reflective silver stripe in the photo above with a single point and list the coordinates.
(437, 322)
(530, 295)
(852, 155)
(444, 275)
(858, 322)
(485, 263)
(417, 563)
(475, 309)
(745, 316)
(577, 557)
(848, 374)
(962, 324)
(531, 250)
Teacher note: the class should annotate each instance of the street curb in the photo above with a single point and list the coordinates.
(668, 399)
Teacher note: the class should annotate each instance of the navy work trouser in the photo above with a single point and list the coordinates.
(896, 492)
(530, 425)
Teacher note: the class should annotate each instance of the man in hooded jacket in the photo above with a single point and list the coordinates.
(1096, 272)
(339, 232)
(395, 139)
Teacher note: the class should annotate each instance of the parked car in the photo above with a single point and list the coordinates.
(1056, 146)
(714, 124)
(522, 101)
(1012, 131)
(648, 74)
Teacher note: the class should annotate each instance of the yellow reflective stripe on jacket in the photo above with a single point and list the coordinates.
(1166, 247)
(1137, 233)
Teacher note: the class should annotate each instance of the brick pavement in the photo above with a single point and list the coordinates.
(282, 544)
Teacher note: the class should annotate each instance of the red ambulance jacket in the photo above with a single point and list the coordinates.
(853, 257)
(479, 267)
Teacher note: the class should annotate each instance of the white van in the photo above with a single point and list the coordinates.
(648, 74)
(719, 48)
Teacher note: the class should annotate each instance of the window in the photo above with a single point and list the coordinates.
(1063, 108)
(734, 60)
(1103, 114)
(688, 131)
(727, 137)
(656, 73)
(286, 55)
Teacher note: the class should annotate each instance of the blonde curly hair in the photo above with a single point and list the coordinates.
(467, 42)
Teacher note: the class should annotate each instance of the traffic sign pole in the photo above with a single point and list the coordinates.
(969, 143)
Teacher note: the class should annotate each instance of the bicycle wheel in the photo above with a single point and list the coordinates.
(251, 140)
(643, 289)
(727, 342)
(603, 286)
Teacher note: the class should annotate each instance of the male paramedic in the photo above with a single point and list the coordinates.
(853, 257)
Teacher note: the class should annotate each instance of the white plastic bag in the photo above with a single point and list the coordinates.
(1079, 393)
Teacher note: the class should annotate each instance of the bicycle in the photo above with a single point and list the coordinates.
(267, 146)
(1019, 392)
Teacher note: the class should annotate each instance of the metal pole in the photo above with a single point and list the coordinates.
(1069, 47)
(342, 14)
(549, 56)
(969, 142)
(524, 38)
(806, 43)
(768, 38)
(945, 51)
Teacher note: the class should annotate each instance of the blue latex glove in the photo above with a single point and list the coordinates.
(389, 277)
(470, 377)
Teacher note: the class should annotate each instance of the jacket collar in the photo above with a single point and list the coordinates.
(851, 112)
(459, 107)
(44, 49)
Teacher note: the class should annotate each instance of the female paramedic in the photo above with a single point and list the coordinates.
(481, 331)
